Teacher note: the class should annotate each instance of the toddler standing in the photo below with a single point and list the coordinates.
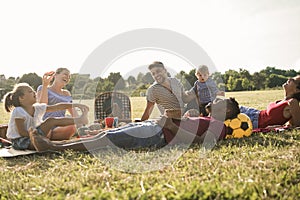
(205, 90)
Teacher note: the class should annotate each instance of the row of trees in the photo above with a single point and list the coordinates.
(242, 80)
(82, 86)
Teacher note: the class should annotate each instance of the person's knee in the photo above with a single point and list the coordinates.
(64, 133)
(70, 130)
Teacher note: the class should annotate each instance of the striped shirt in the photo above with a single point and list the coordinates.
(164, 98)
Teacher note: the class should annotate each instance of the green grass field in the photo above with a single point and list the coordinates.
(262, 166)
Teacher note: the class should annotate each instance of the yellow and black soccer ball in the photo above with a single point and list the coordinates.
(239, 127)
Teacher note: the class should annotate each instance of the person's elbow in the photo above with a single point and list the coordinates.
(144, 117)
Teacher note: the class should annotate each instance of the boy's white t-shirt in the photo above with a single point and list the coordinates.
(19, 112)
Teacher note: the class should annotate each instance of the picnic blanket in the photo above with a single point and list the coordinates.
(11, 152)
(8, 151)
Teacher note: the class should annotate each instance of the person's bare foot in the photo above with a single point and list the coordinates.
(40, 143)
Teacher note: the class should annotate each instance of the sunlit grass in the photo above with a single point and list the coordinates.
(263, 166)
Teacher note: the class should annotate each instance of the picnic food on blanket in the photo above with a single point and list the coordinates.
(239, 127)
(109, 121)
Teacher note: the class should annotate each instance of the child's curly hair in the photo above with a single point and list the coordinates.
(233, 108)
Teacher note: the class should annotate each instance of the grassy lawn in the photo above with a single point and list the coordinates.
(263, 166)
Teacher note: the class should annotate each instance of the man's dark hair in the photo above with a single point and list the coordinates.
(156, 64)
(296, 96)
(233, 108)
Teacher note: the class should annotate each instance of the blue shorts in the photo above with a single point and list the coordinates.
(23, 143)
(137, 135)
(252, 113)
(20, 143)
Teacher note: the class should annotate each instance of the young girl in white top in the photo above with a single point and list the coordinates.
(26, 114)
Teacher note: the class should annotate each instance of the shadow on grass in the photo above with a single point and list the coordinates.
(25, 159)
(274, 139)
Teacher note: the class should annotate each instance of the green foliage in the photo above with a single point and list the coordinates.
(82, 86)
(187, 80)
(275, 80)
(258, 80)
(131, 80)
(32, 79)
(117, 81)
(147, 79)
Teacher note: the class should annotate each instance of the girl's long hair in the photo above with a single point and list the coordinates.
(11, 99)
(296, 96)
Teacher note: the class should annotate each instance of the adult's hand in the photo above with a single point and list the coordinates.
(47, 78)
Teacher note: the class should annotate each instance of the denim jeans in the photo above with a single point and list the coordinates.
(137, 135)
(252, 113)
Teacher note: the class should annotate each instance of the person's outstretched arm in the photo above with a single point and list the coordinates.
(64, 106)
(42, 95)
(148, 110)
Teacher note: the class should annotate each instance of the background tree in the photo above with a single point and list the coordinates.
(275, 80)
(32, 79)
(218, 78)
(230, 78)
(147, 79)
(258, 80)
(117, 80)
(139, 77)
(100, 86)
(85, 87)
(131, 80)
(190, 79)
(290, 73)
(108, 85)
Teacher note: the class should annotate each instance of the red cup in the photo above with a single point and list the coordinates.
(109, 121)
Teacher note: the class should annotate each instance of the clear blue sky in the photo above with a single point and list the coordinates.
(38, 36)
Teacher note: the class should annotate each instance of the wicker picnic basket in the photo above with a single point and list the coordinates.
(3, 129)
